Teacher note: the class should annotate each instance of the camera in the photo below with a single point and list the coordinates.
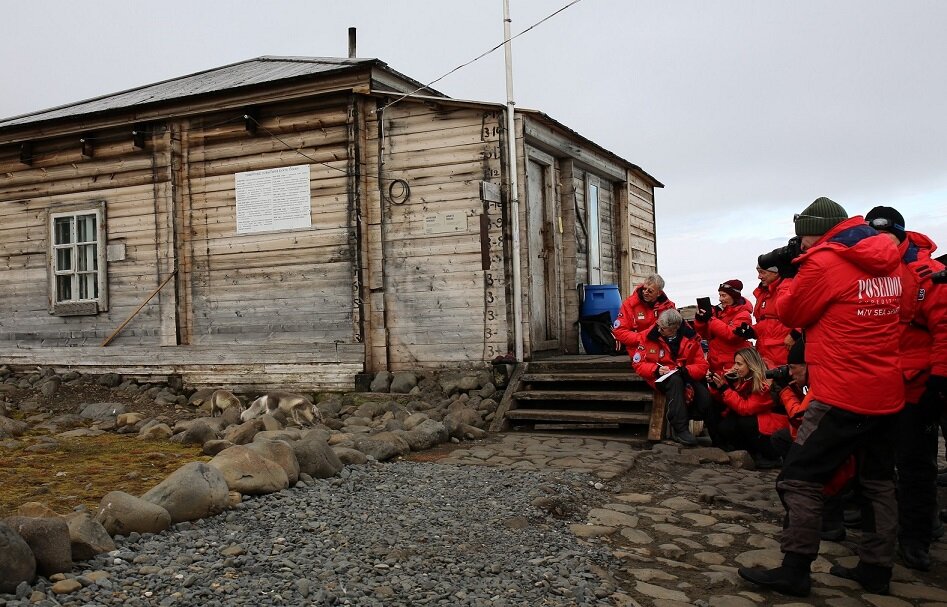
(779, 374)
(782, 257)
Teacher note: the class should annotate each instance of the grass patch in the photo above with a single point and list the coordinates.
(82, 470)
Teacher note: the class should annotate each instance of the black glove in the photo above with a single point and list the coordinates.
(938, 385)
(745, 331)
(702, 315)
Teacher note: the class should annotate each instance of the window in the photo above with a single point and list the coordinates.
(77, 262)
(592, 211)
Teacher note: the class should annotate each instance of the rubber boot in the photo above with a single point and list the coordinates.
(875, 579)
(791, 578)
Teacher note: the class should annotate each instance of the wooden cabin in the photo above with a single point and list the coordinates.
(295, 221)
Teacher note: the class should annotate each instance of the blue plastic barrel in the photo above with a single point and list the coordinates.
(598, 299)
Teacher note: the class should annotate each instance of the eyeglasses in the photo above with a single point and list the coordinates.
(797, 216)
(883, 223)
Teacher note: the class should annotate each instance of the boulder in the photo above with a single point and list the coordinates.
(155, 432)
(48, 539)
(198, 433)
(101, 411)
(468, 382)
(193, 491)
(286, 434)
(200, 397)
(425, 435)
(213, 447)
(350, 457)
(128, 419)
(488, 406)
(402, 382)
(49, 387)
(274, 422)
(36, 510)
(316, 458)
(330, 406)
(248, 472)
(468, 432)
(462, 416)
(381, 382)
(230, 416)
(382, 446)
(242, 434)
(279, 452)
(87, 536)
(357, 421)
(120, 514)
(13, 427)
(17, 563)
(111, 380)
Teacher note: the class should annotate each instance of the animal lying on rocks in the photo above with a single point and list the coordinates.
(296, 406)
(221, 400)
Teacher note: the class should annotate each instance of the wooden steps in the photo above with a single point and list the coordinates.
(580, 392)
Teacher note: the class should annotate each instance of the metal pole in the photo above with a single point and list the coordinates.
(514, 186)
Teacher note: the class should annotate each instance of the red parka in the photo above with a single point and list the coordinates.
(923, 316)
(742, 400)
(770, 333)
(722, 342)
(636, 317)
(846, 297)
(654, 351)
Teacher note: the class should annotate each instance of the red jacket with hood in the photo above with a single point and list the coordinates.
(636, 317)
(742, 400)
(654, 351)
(770, 333)
(923, 316)
(846, 297)
(723, 343)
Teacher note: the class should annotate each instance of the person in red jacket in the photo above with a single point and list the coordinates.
(845, 297)
(671, 360)
(773, 338)
(924, 369)
(748, 420)
(719, 326)
(640, 311)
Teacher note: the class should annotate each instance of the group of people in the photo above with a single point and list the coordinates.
(843, 384)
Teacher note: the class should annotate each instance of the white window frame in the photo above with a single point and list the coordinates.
(76, 305)
(594, 231)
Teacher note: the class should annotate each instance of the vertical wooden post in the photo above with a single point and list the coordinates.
(570, 296)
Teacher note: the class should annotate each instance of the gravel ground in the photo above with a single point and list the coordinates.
(400, 533)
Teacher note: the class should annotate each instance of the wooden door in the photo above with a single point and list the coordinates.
(543, 266)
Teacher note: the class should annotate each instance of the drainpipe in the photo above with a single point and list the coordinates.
(514, 187)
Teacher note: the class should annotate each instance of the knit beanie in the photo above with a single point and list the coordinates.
(797, 353)
(819, 217)
(732, 288)
(770, 268)
(887, 219)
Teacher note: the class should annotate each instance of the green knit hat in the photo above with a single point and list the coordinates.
(819, 217)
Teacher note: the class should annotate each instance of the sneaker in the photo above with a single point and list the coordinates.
(785, 580)
(873, 578)
(684, 437)
(914, 556)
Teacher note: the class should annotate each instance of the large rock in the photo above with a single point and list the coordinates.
(112, 380)
(382, 446)
(426, 434)
(198, 433)
(48, 539)
(279, 452)
(120, 514)
(330, 406)
(414, 420)
(13, 427)
(350, 457)
(286, 434)
(460, 417)
(213, 447)
(403, 382)
(36, 510)
(248, 472)
(381, 382)
(17, 563)
(200, 397)
(155, 432)
(128, 419)
(193, 491)
(316, 458)
(242, 434)
(102, 411)
(87, 536)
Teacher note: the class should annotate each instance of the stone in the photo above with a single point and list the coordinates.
(48, 539)
(742, 460)
(249, 472)
(587, 531)
(730, 600)
(198, 433)
(383, 446)
(13, 427)
(381, 382)
(36, 510)
(102, 411)
(87, 536)
(462, 416)
(611, 518)
(155, 432)
(66, 586)
(885, 601)
(193, 491)
(647, 575)
(680, 504)
(242, 434)
(425, 434)
(121, 514)
(659, 592)
(213, 447)
(128, 419)
(403, 382)
(918, 592)
(720, 540)
(17, 563)
(710, 558)
(111, 380)
(699, 520)
(278, 452)
(350, 457)
(49, 387)
(414, 420)
(636, 536)
(316, 458)
(634, 498)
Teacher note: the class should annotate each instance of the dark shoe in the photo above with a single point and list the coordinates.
(836, 534)
(785, 580)
(684, 437)
(942, 479)
(873, 578)
(763, 463)
(915, 557)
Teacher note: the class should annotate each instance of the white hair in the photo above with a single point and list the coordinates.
(670, 318)
(656, 280)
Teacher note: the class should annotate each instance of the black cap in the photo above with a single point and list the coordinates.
(887, 219)
(797, 353)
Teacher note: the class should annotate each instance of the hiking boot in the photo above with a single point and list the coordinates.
(835, 534)
(764, 463)
(915, 556)
(792, 577)
(873, 578)
(684, 437)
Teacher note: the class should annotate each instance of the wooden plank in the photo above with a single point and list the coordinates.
(657, 426)
(603, 417)
(585, 395)
(607, 376)
(507, 403)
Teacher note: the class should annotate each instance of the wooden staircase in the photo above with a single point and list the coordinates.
(580, 392)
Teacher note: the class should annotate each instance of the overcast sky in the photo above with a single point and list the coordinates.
(746, 111)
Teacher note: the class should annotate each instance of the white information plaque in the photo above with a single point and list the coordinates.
(273, 199)
(443, 223)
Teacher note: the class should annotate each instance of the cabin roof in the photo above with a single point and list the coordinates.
(260, 70)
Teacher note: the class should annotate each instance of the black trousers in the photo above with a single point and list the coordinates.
(917, 470)
(676, 409)
(742, 432)
(827, 437)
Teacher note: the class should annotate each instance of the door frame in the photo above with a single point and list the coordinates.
(551, 266)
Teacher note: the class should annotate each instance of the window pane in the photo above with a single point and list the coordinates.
(87, 259)
(88, 286)
(595, 263)
(64, 288)
(63, 259)
(63, 230)
(85, 228)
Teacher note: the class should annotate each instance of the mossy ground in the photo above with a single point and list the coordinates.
(81, 470)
